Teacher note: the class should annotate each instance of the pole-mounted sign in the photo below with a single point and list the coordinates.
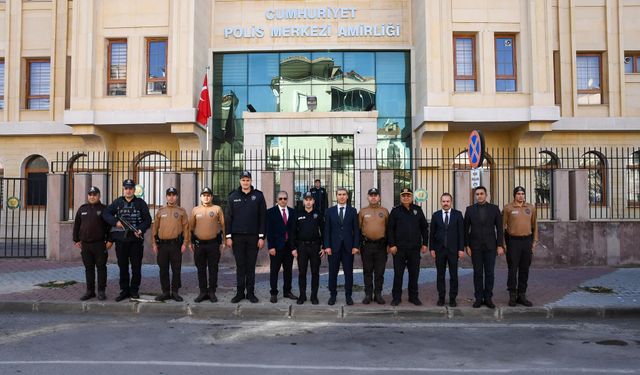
(476, 149)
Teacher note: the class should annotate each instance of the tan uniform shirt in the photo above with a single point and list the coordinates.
(373, 222)
(206, 222)
(520, 220)
(169, 223)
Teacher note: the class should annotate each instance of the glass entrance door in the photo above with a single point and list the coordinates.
(328, 158)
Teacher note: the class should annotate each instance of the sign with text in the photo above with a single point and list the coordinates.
(476, 178)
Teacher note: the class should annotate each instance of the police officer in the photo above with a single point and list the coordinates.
(91, 236)
(132, 212)
(310, 224)
(206, 224)
(321, 201)
(373, 226)
(169, 240)
(408, 236)
(245, 225)
(521, 235)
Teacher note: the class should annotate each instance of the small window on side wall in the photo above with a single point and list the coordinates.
(38, 84)
(632, 62)
(156, 66)
(464, 57)
(117, 67)
(589, 74)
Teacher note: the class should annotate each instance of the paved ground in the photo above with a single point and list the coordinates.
(79, 344)
(549, 287)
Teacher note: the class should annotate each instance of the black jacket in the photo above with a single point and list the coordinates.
(483, 228)
(454, 232)
(89, 226)
(135, 212)
(309, 226)
(245, 213)
(321, 201)
(407, 228)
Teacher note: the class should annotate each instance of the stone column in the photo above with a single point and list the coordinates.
(55, 207)
(189, 192)
(561, 208)
(386, 189)
(81, 184)
(462, 188)
(579, 195)
(287, 184)
(268, 187)
(100, 181)
(367, 181)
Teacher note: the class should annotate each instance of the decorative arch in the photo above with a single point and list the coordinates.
(546, 163)
(35, 170)
(596, 165)
(149, 168)
(633, 170)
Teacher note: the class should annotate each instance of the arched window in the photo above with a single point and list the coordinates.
(149, 174)
(595, 164)
(545, 164)
(633, 194)
(35, 171)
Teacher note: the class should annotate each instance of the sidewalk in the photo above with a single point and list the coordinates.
(554, 292)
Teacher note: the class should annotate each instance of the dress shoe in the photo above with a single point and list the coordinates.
(349, 301)
(301, 299)
(273, 299)
(201, 297)
(522, 299)
(122, 296)
(163, 297)
(378, 298)
(332, 301)
(489, 303)
(237, 298)
(87, 295)
(440, 301)
(513, 298)
(416, 301)
(101, 295)
(176, 297)
(395, 302)
(366, 300)
(135, 295)
(252, 298)
(477, 304)
(212, 297)
(452, 302)
(314, 300)
(290, 295)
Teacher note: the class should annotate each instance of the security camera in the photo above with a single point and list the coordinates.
(359, 130)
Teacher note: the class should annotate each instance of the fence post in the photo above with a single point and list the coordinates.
(81, 184)
(561, 206)
(462, 190)
(579, 195)
(189, 192)
(386, 188)
(55, 207)
(268, 185)
(367, 181)
(286, 184)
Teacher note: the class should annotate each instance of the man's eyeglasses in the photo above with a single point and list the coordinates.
(282, 198)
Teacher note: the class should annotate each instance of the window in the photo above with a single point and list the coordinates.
(38, 84)
(505, 63)
(589, 79)
(632, 62)
(633, 194)
(36, 170)
(464, 63)
(595, 164)
(156, 66)
(1, 83)
(117, 60)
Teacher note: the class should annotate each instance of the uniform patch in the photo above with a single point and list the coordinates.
(175, 214)
(237, 200)
(367, 215)
(211, 214)
(380, 214)
(527, 211)
(198, 215)
(164, 215)
(84, 213)
(415, 212)
(301, 217)
(315, 216)
(514, 212)
(99, 213)
(253, 197)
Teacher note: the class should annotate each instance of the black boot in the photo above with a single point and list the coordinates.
(378, 298)
(176, 297)
(522, 299)
(101, 295)
(88, 295)
(163, 297)
(513, 296)
(367, 299)
(212, 296)
(202, 296)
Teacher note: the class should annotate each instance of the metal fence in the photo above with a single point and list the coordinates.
(23, 213)
(613, 173)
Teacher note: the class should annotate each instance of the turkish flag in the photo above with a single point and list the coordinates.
(204, 105)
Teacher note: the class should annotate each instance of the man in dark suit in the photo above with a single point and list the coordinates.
(281, 222)
(483, 238)
(341, 243)
(446, 242)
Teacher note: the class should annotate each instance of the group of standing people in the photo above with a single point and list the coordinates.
(338, 232)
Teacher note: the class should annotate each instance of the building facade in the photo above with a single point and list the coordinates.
(388, 77)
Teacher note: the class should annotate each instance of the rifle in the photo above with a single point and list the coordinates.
(128, 227)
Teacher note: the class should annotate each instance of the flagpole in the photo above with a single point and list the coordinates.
(206, 72)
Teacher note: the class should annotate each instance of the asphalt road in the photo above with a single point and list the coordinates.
(94, 344)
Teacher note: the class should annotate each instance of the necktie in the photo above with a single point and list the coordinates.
(446, 218)
(341, 215)
(284, 217)
(446, 229)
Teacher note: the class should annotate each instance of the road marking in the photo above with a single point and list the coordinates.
(23, 335)
(501, 370)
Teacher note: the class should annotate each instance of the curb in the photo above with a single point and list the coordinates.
(320, 313)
